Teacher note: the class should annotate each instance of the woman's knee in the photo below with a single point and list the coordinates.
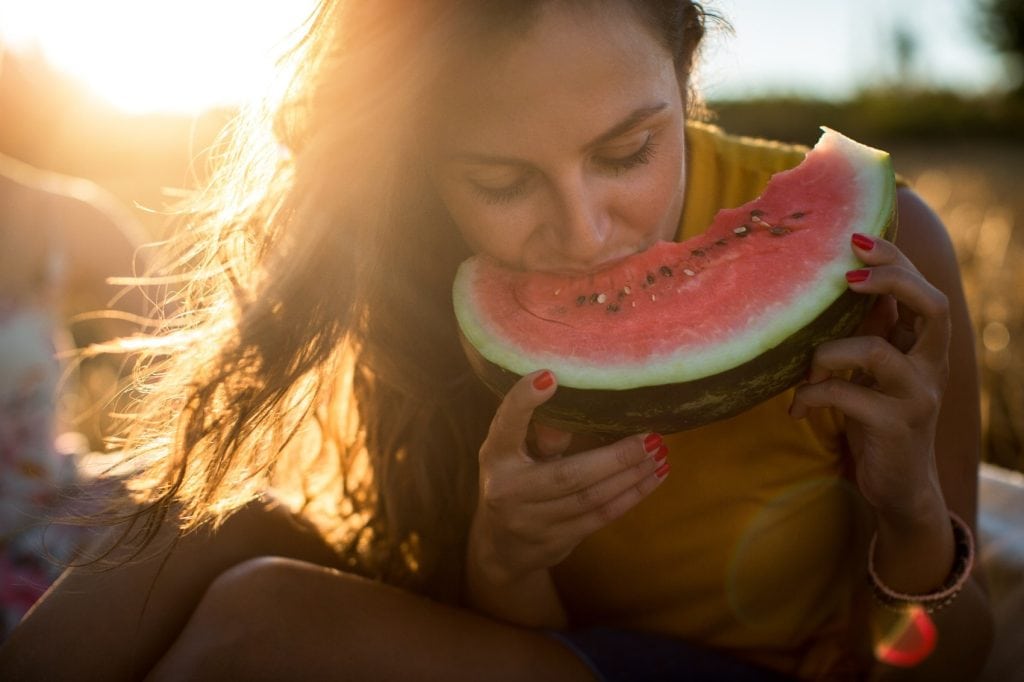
(242, 621)
(259, 595)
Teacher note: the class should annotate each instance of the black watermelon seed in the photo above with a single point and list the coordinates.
(613, 308)
(798, 215)
(697, 252)
(778, 231)
(650, 278)
(665, 271)
(580, 300)
(594, 297)
(722, 242)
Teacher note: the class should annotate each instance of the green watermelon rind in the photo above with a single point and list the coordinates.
(876, 188)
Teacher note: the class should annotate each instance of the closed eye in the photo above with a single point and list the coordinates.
(497, 194)
(621, 164)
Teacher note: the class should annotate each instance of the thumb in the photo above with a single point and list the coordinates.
(511, 423)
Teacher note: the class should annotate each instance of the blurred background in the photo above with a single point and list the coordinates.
(130, 94)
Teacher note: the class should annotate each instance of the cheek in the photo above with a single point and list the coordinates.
(655, 201)
(497, 230)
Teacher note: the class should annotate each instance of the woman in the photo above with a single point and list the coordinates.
(550, 135)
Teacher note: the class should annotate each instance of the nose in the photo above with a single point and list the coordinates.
(581, 224)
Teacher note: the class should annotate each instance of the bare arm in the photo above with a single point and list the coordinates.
(965, 626)
(913, 428)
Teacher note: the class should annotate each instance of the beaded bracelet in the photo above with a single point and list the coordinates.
(963, 562)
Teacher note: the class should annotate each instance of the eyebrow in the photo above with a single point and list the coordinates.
(625, 125)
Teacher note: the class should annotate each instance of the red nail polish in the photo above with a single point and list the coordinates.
(662, 471)
(854, 276)
(862, 241)
(543, 381)
(652, 442)
(661, 455)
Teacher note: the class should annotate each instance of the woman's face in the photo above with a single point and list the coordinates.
(565, 150)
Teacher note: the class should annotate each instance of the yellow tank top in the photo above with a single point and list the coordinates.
(754, 542)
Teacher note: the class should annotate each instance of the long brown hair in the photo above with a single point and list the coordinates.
(313, 347)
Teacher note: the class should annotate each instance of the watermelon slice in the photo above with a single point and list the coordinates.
(687, 333)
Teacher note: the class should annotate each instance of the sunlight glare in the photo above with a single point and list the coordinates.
(148, 56)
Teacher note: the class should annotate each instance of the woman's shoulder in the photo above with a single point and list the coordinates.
(712, 144)
(724, 169)
(922, 236)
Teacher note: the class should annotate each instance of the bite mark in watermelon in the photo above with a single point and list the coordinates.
(686, 333)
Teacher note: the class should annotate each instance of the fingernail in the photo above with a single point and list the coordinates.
(543, 381)
(855, 276)
(652, 442)
(862, 241)
(662, 471)
(661, 455)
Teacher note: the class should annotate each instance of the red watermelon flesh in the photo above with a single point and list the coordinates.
(683, 312)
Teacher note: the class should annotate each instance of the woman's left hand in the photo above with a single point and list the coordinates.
(900, 365)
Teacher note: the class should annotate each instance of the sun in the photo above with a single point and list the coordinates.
(155, 56)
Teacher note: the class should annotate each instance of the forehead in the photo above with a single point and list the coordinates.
(574, 72)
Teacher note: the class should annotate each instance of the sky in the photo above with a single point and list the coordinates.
(833, 48)
(215, 52)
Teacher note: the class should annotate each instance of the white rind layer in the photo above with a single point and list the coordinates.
(873, 178)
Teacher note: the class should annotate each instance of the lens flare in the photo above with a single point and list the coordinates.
(906, 638)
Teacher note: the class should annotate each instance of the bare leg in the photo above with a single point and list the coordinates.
(114, 625)
(277, 619)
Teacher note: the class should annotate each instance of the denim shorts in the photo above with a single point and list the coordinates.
(629, 656)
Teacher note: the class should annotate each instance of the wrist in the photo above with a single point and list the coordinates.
(496, 588)
(485, 563)
(926, 513)
(913, 550)
(917, 510)
(937, 598)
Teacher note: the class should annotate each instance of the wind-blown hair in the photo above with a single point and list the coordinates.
(313, 345)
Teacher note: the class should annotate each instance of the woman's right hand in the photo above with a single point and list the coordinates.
(533, 510)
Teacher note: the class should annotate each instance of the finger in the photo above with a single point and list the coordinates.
(568, 475)
(512, 419)
(880, 321)
(860, 403)
(549, 442)
(874, 356)
(892, 273)
(874, 251)
(592, 498)
(601, 515)
(924, 329)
